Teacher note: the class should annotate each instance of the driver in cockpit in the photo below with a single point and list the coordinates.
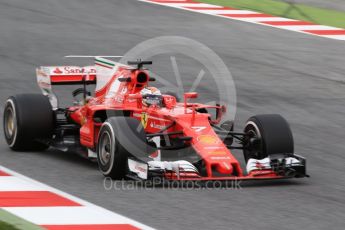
(151, 96)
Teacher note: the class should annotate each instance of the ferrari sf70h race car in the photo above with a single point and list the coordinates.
(171, 139)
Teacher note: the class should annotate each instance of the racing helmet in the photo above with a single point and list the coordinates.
(151, 96)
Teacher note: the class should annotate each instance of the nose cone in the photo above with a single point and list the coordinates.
(224, 168)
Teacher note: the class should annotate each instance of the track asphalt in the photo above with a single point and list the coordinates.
(275, 71)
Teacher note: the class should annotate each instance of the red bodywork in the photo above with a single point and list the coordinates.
(124, 95)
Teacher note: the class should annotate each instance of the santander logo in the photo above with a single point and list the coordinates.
(57, 71)
(74, 70)
(78, 70)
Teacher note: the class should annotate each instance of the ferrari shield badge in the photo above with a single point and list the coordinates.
(144, 119)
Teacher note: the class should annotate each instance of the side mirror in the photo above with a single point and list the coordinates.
(220, 111)
(187, 96)
(191, 95)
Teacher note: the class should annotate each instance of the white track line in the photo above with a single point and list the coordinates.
(226, 11)
(11, 183)
(87, 213)
(68, 215)
(201, 5)
(236, 15)
(338, 37)
(308, 27)
(258, 20)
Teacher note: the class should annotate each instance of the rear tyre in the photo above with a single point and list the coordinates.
(266, 135)
(118, 139)
(27, 120)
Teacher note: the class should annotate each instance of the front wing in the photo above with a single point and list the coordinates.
(279, 167)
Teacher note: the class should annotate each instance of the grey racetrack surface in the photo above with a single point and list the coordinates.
(275, 71)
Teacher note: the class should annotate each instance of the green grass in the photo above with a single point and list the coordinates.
(12, 222)
(6, 226)
(278, 8)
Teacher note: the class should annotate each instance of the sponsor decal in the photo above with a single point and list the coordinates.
(208, 139)
(213, 147)
(156, 126)
(73, 70)
(57, 71)
(220, 158)
(141, 169)
(77, 70)
(218, 152)
(198, 128)
(144, 119)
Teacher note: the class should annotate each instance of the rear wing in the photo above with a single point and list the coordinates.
(99, 74)
(65, 75)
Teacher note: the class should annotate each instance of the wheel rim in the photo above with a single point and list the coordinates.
(10, 123)
(105, 148)
(252, 149)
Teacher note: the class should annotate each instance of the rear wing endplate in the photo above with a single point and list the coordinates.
(63, 75)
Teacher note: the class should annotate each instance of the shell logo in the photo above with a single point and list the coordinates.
(208, 139)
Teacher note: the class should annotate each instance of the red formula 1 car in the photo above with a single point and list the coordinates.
(132, 139)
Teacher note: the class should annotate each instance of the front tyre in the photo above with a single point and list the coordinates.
(118, 139)
(267, 135)
(27, 120)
